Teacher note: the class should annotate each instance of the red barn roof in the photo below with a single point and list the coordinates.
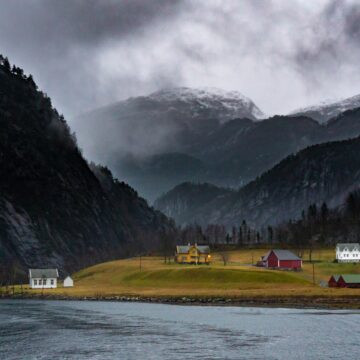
(282, 255)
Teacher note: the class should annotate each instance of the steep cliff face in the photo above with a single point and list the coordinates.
(54, 209)
(326, 172)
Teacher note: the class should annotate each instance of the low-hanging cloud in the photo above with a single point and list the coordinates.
(282, 54)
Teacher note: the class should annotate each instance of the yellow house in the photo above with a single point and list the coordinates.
(192, 254)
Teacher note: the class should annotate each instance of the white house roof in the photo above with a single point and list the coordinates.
(349, 246)
(43, 273)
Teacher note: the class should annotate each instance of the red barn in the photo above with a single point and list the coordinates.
(282, 259)
(349, 281)
(333, 281)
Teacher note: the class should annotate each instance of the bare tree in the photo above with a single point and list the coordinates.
(224, 257)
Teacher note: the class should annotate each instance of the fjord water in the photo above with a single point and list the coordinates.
(110, 330)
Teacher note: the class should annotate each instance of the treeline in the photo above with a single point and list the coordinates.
(15, 70)
(318, 225)
(218, 234)
(58, 127)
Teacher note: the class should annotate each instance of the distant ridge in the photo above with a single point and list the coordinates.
(317, 174)
(328, 109)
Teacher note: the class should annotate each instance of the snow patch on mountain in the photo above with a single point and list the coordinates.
(329, 108)
(232, 103)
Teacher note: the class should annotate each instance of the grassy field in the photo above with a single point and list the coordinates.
(238, 279)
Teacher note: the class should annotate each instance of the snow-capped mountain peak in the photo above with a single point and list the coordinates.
(328, 109)
(226, 104)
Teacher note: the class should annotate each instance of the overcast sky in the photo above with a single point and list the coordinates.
(282, 54)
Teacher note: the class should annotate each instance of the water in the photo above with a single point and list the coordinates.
(110, 330)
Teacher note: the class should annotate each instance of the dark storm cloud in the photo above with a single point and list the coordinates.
(86, 22)
(282, 54)
(333, 42)
(59, 40)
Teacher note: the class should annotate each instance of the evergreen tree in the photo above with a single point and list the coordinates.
(234, 235)
(270, 234)
(227, 239)
(240, 238)
(324, 213)
(6, 64)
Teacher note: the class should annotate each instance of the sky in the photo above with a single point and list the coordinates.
(282, 54)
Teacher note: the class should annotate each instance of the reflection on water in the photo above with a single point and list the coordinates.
(109, 330)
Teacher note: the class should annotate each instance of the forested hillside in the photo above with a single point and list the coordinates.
(55, 209)
(320, 173)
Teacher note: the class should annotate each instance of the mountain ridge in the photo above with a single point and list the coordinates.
(320, 173)
(138, 137)
(328, 109)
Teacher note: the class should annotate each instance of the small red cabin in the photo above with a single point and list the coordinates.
(281, 259)
(333, 281)
(345, 281)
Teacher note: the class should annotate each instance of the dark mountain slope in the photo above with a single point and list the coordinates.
(326, 172)
(248, 152)
(186, 200)
(344, 126)
(54, 209)
(163, 171)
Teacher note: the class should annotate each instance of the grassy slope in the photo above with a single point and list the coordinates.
(237, 279)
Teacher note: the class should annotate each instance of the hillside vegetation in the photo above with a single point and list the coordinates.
(320, 173)
(151, 277)
(56, 210)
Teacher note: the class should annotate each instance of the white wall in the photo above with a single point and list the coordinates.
(37, 283)
(68, 282)
(348, 256)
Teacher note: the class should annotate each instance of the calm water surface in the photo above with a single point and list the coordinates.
(106, 330)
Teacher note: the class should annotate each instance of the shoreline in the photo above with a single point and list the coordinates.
(303, 302)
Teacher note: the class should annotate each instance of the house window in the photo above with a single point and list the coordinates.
(35, 282)
(52, 281)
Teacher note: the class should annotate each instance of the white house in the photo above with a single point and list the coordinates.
(43, 278)
(348, 252)
(68, 282)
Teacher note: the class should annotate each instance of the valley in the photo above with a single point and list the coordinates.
(150, 279)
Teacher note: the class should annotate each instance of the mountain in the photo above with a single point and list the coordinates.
(208, 102)
(131, 135)
(162, 121)
(180, 135)
(55, 208)
(346, 125)
(325, 172)
(328, 109)
(187, 200)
